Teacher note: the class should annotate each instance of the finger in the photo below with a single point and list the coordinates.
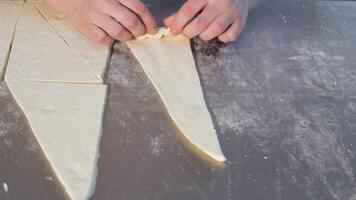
(169, 20)
(233, 32)
(202, 22)
(142, 11)
(96, 34)
(123, 15)
(186, 14)
(110, 26)
(219, 26)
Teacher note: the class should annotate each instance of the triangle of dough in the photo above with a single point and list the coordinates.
(66, 120)
(169, 64)
(9, 13)
(40, 54)
(93, 55)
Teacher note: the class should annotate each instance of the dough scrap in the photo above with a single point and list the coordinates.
(66, 120)
(169, 64)
(93, 55)
(9, 12)
(40, 54)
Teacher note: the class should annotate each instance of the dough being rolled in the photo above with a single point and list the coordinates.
(169, 64)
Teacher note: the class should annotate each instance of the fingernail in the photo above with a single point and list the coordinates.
(174, 31)
(153, 31)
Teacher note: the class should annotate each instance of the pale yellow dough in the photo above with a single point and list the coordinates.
(169, 64)
(9, 12)
(93, 55)
(39, 53)
(49, 71)
(67, 121)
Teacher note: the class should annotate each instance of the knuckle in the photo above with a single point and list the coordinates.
(226, 3)
(238, 17)
(106, 2)
(90, 16)
(242, 24)
(103, 4)
(98, 4)
(203, 22)
(234, 4)
(239, 24)
(94, 4)
(131, 22)
(229, 2)
(219, 26)
(118, 32)
(90, 6)
(233, 12)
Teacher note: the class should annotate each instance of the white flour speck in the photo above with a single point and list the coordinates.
(6, 187)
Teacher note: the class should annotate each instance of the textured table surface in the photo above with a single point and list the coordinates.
(283, 98)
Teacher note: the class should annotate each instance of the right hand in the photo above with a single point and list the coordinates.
(105, 20)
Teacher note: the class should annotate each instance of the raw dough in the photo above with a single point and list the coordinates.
(40, 54)
(169, 64)
(66, 120)
(93, 55)
(9, 12)
(47, 59)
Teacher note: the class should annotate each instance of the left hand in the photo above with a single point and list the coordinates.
(209, 19)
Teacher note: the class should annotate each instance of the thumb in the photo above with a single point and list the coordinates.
(169, 20)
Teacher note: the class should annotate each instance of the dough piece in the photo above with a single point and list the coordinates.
(40, 54)
(66, 120)
(9, 12)
(169, 64)
(93, 55)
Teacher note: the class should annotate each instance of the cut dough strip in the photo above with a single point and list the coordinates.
(9, 12)
(169, 64)
(47, 61)
(66, 120)
(92, 55)
(40, 54)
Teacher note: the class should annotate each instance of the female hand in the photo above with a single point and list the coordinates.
(105, 20)
(209, 19)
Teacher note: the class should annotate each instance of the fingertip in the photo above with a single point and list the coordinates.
(229, 36)
(168, 21)
(202, 37)
(151, 24)
(174, 31)
(127, 39)
(153, 30)
(166, 24)
(222, 39)
(187, 34)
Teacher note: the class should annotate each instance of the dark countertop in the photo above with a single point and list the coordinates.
(283, 98)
